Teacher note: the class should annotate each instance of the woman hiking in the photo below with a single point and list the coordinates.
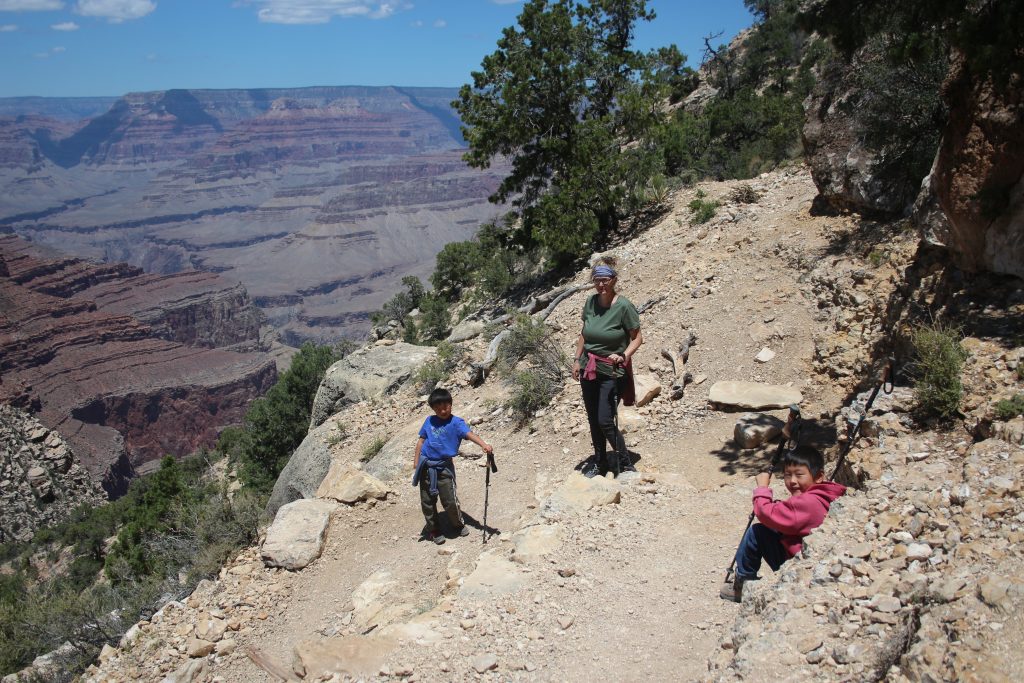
(608, 340)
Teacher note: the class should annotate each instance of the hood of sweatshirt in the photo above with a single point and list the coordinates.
(827, 491)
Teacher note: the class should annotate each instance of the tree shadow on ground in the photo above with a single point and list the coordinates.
(750, 461)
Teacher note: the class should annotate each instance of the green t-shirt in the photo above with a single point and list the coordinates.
(606, 330)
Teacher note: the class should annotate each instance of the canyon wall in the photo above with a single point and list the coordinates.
(124, 393)
(318, 200)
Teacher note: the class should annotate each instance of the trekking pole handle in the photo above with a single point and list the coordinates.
(888, 375)
(490, 462)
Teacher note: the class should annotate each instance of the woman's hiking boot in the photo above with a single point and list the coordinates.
(732, 591)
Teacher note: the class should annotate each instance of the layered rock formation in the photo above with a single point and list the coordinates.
(319, 200)
(122, 395)
(41, 480)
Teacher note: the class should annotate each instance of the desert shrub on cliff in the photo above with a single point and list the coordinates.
(531, 342)
(276, 424)
(939, 359)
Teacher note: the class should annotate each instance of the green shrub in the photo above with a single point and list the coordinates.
(877, 257)
(371, 449)
(1007, 409)
(701, 210)
(276, 424)
(532, 389)
(939, 361)
(438, 369)
(532, 342)
(434, 318)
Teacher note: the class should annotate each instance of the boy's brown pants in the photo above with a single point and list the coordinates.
(449, 500)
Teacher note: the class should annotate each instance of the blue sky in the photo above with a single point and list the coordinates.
(110, 47)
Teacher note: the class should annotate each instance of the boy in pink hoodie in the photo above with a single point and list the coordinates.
(783, 523)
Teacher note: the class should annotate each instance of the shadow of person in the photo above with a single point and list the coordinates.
(472, 522)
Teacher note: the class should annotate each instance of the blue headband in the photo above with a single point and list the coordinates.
(603, 271)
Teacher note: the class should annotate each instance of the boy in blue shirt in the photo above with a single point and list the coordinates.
(438, 444)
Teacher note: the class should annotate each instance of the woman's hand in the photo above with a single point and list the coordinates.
(576, 369)
(616, 359)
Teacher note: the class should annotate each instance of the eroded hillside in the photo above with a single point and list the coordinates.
(619, 579)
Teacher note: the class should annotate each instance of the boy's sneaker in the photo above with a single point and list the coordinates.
(464, 530)
(435, 536)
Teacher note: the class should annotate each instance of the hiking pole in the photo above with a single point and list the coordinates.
(786, 443)
(853, 425)
(491, 467)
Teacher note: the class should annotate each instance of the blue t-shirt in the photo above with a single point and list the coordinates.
(442, 436)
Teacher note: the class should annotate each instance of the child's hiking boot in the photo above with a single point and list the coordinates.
(595, 467)
(464, 530)
(435, 536)
(626, 464)
(732, 591)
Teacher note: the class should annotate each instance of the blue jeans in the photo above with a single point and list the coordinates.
(759, 543)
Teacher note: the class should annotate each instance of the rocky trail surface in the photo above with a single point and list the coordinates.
(618, 579)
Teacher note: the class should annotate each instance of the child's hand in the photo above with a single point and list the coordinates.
(763, 478)
(488, 448)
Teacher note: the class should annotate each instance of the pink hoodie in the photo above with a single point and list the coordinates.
(798, 515)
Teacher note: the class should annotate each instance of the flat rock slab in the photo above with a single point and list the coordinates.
(753, 395)
(578, 494)
(346, 484)
(296, 537)
(536, 541)
(493, 577)
(357, 656)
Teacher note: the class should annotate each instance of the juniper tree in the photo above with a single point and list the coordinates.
(573, 108)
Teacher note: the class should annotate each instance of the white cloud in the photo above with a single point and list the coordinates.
(65, 26)
(115, 11)
(322, 11)
(57, 50)
(8, 28)
(440, 23)
(30, 5)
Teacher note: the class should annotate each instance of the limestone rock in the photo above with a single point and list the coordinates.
(357, 656)
(197, 647)
(368, 373)
(305, 470)
(394, 461)
(296, 537)
(466, 330)
(630, 421)
(764, 355)
(188, 672)
(752, 429)
(535, 541)
(753, 395)
(345, 484)
(493, 577)
(647, 388)
(484, 663)
(578, 494)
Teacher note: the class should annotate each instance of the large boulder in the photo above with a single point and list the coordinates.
(843, 168)
(370, 372)
(297, 535)
(978, 175)
(305, 470)
(394, 461)
(346, 484)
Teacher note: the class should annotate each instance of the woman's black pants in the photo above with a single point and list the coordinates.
(601, 399)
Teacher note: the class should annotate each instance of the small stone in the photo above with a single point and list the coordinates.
(861, 550)
(885, 603)
(566, 621)
(198, 648)
(808, 643)
(484, 663)
(226, 647)
(566, 572)
(764, 355)
(919, 551)
(816, 656)
(467, 624)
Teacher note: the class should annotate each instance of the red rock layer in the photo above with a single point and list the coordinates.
(121, 396)
(194, 308)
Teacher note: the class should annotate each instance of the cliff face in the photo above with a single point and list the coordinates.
(43, 480)
(122, 395)
(319, 200)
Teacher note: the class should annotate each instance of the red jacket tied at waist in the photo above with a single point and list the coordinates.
(590, 373)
